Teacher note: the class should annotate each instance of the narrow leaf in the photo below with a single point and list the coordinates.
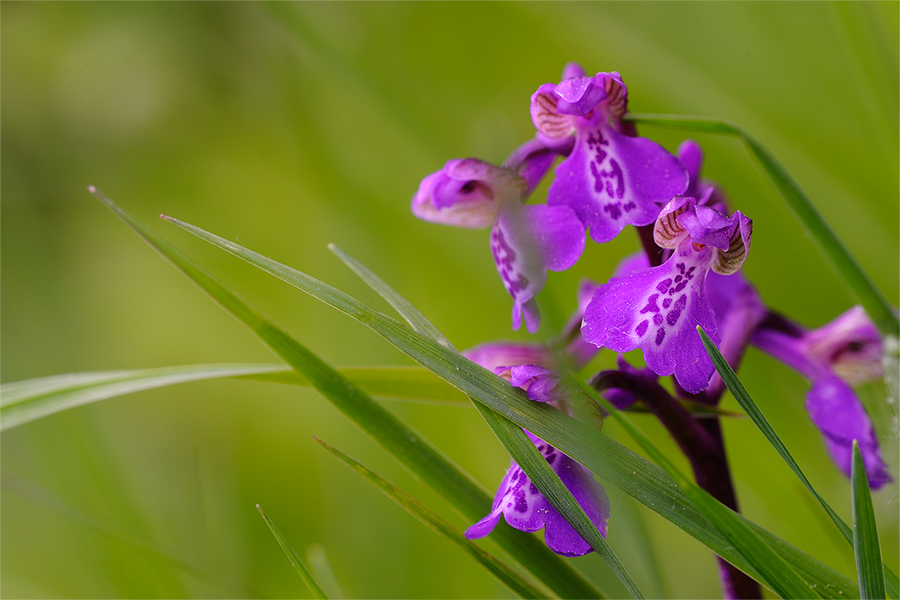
(609, 460)
(413, 451)
(743, 398)
(304, 573)
(859, 283)
(504, 574)
(24, 401)
(865, 533)
(512, 437)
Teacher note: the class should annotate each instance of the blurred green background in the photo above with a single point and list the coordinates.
(288, 126)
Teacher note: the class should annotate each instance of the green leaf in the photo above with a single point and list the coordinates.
(512, 437)
(859, 283)
(865, 532)
(305, 573)
(504, 574)
(24, 401)
(412, 450)
(743, 398)
(632, 474)
(774, 571)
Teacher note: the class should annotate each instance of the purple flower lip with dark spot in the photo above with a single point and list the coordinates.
(628, 313)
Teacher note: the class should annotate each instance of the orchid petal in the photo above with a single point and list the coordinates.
(658, 310)
(837, 412)
(525, 507)
(526, 241)
(612, 180)
(466, 193)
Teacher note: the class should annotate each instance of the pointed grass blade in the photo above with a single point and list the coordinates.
(629, 472)
(512, 437)
(25, 401)
(503, 573)
(746, 402)
(414, 452)
(304, 573)
(866, 548)
(406, 310)
(859, 283)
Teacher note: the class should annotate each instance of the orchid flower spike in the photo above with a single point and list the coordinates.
(658, 309)
(526, 240)
(846, 351)
(611, 178)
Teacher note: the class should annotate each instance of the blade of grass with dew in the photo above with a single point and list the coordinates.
(512, 437)
(632, 474)
(746, 402)
(859, 283)
(504, 574)
(304, 573)
(25, 401)
(415, 453)
(866, 548)
(773, 570)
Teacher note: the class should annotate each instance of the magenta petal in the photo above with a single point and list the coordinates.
(691, 155)
(658, 310)
(466, 193)
(526, 241)
(837, 412)
(491, 355)
(612, 180)
(539, 382)
(525, 507)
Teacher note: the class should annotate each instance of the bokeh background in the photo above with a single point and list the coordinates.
(288, 126)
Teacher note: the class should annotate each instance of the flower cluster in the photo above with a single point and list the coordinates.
(608, 178)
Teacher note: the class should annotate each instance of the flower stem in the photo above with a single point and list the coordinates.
(701, 442)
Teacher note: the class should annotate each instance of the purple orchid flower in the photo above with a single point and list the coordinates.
(658, 309)
(846, 351)
(525, 507)
(529, 366)
(611, 178)
(526, 240)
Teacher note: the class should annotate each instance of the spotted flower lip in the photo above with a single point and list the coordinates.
(524, 507)
(847, 350)
(526, 240)
(658, 309)
(610, 179)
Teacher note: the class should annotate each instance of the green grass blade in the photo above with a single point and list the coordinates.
(773, 570)
(865, 532)
(416, 454)
(406, 310)
(304, 573)
(859, 283)
(512, 437)
(743, 398)
(609, 460)
(25, 401)
(503, 573)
